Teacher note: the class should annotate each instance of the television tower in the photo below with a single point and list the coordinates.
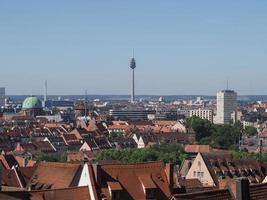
(133, 66)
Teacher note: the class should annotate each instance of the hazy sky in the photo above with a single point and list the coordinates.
(181, 47)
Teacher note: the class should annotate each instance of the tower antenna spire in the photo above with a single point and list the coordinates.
(227, 84)
(133, 52)
(45, 92)
(85, 105)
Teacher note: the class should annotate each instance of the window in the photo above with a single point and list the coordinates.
(198, 174)
(202, 174)
(150, 193)
(195, 173)
(115, 195)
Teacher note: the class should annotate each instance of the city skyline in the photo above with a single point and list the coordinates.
(88, 45)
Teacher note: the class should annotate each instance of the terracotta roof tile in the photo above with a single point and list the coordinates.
(147, 181)
(258, 191)
(212, 195)
(56, 175)
(10, 178)
(191, 184)
(114, 185)
(77, 193)
(130, 176)
(193, 148)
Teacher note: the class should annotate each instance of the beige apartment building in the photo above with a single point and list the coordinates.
(202, 113)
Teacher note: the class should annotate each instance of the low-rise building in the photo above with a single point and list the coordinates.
(211, 167)
(202, 113)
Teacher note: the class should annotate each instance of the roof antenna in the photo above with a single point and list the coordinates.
(227, 85)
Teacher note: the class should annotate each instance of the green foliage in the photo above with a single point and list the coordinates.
(47, 158)
(168, 153)
(218, 136)
(52, 158)
(225, 136)
(116, 134)
(203, 128)
(55, 110)
(64, 157)
(250, 131)
(240, 155)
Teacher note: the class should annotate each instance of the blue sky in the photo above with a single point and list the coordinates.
(181, 47)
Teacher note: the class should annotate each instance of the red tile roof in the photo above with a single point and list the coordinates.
(77, 193)
(131, 177)
(10, 178)
(193, 148)
(258, 191)
(54, 175)
(212, 195)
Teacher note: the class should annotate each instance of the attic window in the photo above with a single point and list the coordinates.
(195, 173)
(148, 185)
(114, 190)
(150, 194)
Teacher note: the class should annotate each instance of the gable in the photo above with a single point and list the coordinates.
(200, 171)
(85, 147)
(141, 143)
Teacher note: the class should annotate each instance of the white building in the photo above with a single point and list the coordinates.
(2, 97)
(202, 113)
(226, 105)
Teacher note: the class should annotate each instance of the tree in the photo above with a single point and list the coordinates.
(220, 136)
(250, 131)
(225, 136)
(48, 158)
(240, 155)
(116, 134)
(202, 128)
(168, 153)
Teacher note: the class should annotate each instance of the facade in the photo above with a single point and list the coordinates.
(200, 171)
(236, 116)
(2, 97)
(226, 105)
(131, 114)
(211, 168)
(202, 113)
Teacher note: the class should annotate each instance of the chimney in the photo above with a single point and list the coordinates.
(242, 189)
(169, 173)
(1, 171)
(97, 172)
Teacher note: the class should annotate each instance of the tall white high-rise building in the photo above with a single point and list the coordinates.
(226, 105)
(2, 97)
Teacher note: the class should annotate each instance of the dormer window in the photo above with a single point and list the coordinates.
(150, 194)
(114, 190)
(149, 187)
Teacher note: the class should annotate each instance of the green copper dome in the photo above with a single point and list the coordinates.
(31, 103)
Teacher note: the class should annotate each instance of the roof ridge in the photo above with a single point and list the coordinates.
(131, 164)
(58, 164)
